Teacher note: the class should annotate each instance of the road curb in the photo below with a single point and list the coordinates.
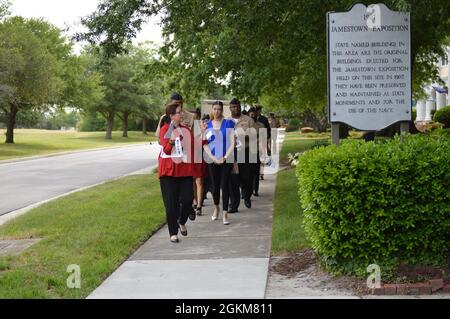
(23, 159)
(22, 211)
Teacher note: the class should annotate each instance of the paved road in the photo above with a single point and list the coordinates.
(28, 182)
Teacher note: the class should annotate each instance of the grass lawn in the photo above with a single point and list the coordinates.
(96, 229)
(29, 142)
(288, 234)
(297, 142)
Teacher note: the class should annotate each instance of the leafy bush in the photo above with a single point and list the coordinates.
(384, 203)
(294, 122)
(293, 125)
(443, 116)
(443, 132)
(291, 128)
(320, 143)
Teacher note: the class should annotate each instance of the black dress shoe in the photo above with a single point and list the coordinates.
(232, 211)
(248, 203)
(192, 215)
(256, 194)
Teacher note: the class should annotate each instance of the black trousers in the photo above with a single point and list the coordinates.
(178, 194)
(245, 173)
(235, 193)
(254, 169)
(220, 178)
(245, 177)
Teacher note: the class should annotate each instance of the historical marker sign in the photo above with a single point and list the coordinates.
(369, 67)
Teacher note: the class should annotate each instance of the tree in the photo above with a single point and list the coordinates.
(29, 72)
(136, 100)
(254, 48)
(125, 88)
(152, 74)
(4, 8)
(84, 82)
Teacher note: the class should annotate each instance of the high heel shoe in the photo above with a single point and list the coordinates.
(215, 214)
(198, 211)
(225, 219)
(183, 232)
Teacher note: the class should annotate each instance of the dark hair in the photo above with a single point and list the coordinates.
(216, 103)
(171, 109)
(165, 120)
(176, 96)
(235, 101)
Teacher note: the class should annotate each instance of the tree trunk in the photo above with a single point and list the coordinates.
(11, 118)
(319, 124)
(125, 125)
(144, 126)
(109, 127)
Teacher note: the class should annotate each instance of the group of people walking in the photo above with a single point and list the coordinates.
(222, 155)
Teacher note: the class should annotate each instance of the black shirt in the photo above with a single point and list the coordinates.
(265, 121)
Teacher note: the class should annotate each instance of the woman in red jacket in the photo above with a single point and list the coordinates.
(175, 170)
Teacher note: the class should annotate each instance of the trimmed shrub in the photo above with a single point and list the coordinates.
(443, 116)
(291, 128)
(293, 125)
(385, 203)
(294, 122)
(320, 143)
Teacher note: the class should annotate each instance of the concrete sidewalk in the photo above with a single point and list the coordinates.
(213, 261)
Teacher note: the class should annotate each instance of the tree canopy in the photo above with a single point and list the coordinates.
(4, 8)
(131, 84)
(29, 72)
(256, 48)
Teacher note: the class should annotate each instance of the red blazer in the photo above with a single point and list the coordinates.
(169, 166)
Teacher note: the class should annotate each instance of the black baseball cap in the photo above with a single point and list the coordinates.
(176, 96)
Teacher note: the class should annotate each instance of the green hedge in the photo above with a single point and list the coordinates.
(294, 122)
(292, 128)
(385, 203)
(293, 125)
(443, 116)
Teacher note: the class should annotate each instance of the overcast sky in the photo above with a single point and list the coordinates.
(63, 13)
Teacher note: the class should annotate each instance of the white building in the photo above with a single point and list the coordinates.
(437, 96)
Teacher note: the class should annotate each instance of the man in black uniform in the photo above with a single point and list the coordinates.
(265, 121)
(242, 124)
